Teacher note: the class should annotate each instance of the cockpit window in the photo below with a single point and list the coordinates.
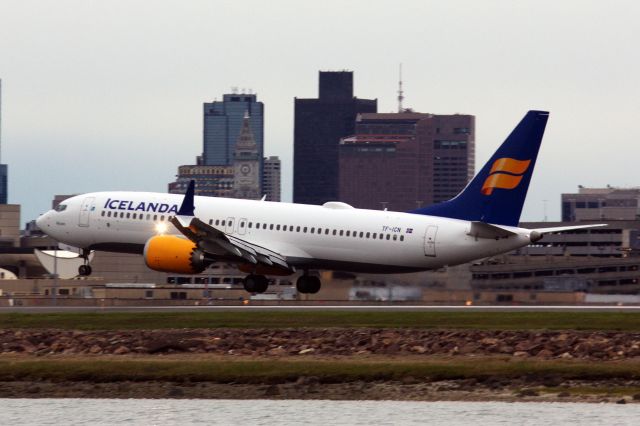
(61, 207)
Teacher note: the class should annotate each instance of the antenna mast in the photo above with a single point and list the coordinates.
(400, 92)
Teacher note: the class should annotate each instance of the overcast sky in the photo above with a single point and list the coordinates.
(106, 95)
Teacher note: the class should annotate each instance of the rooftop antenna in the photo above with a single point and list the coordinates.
(400, 91)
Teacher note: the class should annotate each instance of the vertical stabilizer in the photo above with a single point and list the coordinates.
(497, 193)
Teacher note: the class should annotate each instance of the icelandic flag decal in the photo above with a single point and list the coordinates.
(409, 230)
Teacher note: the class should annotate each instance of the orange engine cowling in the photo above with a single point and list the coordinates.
(170, 253)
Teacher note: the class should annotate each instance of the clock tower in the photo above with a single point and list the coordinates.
(246, 164)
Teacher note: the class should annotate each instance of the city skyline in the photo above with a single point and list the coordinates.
(109, 96)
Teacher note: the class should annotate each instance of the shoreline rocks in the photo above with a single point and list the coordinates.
(577, 345)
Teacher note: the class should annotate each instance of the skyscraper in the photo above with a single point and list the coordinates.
(271, 178)
(4, 172)
(246, 164)
(318, 126)
(402, 161)
(222, 125)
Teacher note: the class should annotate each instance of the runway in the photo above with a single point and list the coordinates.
(362, 308)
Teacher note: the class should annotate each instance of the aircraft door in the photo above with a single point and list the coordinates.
(242, 226)
(229, 226)
(430, 241)
(88, 205)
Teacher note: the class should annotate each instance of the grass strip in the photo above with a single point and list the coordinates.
(281, 371)
(614, 321)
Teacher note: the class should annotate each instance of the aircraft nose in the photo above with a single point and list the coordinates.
(43, 220)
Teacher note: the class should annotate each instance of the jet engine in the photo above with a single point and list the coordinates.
(170, 253)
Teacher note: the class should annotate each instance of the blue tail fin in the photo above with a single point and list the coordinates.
(496, 194)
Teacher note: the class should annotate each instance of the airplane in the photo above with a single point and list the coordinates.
(186, 234)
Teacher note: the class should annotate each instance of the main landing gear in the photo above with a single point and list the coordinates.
(85, 269)
(308, 284)
(256, 283)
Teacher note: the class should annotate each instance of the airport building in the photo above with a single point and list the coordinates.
(601, 204)
(319, 124)
(597, 260)
(223, 121)
(406, 160)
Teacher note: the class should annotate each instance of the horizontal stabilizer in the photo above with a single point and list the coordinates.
(486, 230)
(536, 234)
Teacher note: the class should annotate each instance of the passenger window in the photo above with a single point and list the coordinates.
(395, 237)
(388, 236)
(135, 215)
(141, 216)
(250, 225)
(319, 230)
(341, 232)
(277, 227)
(102, 214)
(162, 218)
(271, 227)
(401, 237)
(381, 236)
(361, 234)
(313, 230)
(223, 222)
(155, 217)
(128, 215)
(348, 233)
(326, 231)
(367, 235)
(304, 229)
(108, 214)
(291, 228)
(210, 221)
(297, 229)
(334, 232)
(230, 223)
(264, 226)
(217, 222)
(355, 234)
(121, 215)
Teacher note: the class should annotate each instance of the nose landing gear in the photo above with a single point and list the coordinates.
(85, 269)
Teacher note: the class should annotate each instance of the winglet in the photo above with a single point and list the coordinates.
(187, 208)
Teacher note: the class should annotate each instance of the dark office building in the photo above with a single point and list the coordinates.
(319, 125)
(401, 161)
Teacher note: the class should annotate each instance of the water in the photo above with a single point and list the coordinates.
(295, 412)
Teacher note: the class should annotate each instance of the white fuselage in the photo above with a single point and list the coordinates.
(334, 236)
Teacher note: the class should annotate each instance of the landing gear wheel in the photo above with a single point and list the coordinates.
(308, 284)
(256, 283)
(84, 270)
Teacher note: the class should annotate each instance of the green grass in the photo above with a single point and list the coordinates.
(280, 371)
(620, 321)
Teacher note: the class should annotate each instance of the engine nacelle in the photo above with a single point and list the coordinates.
(170, 253)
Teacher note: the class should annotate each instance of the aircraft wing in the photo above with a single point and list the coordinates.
(218, 243)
